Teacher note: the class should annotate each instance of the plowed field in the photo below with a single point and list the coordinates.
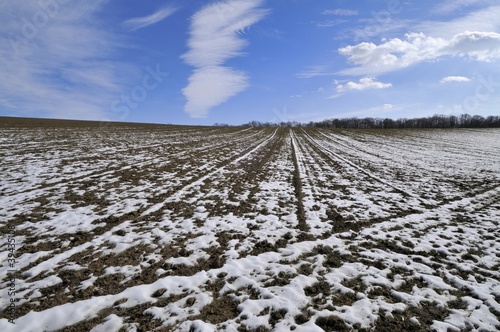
(125, 227)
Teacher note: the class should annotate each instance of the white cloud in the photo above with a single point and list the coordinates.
(57, 57)
(141, 22)
(458, 79)
(216, 30)
(341, 12)
(215, 37)
(398, 53)
(481, 46)
(211, 86)
(364, 84)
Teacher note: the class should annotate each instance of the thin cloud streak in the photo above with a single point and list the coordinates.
(341, 12)
(457, 79)
(450, 6)
(315, 71)
(142, 22)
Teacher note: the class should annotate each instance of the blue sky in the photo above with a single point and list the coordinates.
(234, 61)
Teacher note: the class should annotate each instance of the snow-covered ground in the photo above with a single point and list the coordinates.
(152, 228)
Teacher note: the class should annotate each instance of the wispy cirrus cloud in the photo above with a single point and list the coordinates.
(337, 21)
(216, 36)
(142, 22)
(50, 67)
(482, 19)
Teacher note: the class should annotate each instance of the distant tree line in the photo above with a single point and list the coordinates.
(274, 124)
(435, 121)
